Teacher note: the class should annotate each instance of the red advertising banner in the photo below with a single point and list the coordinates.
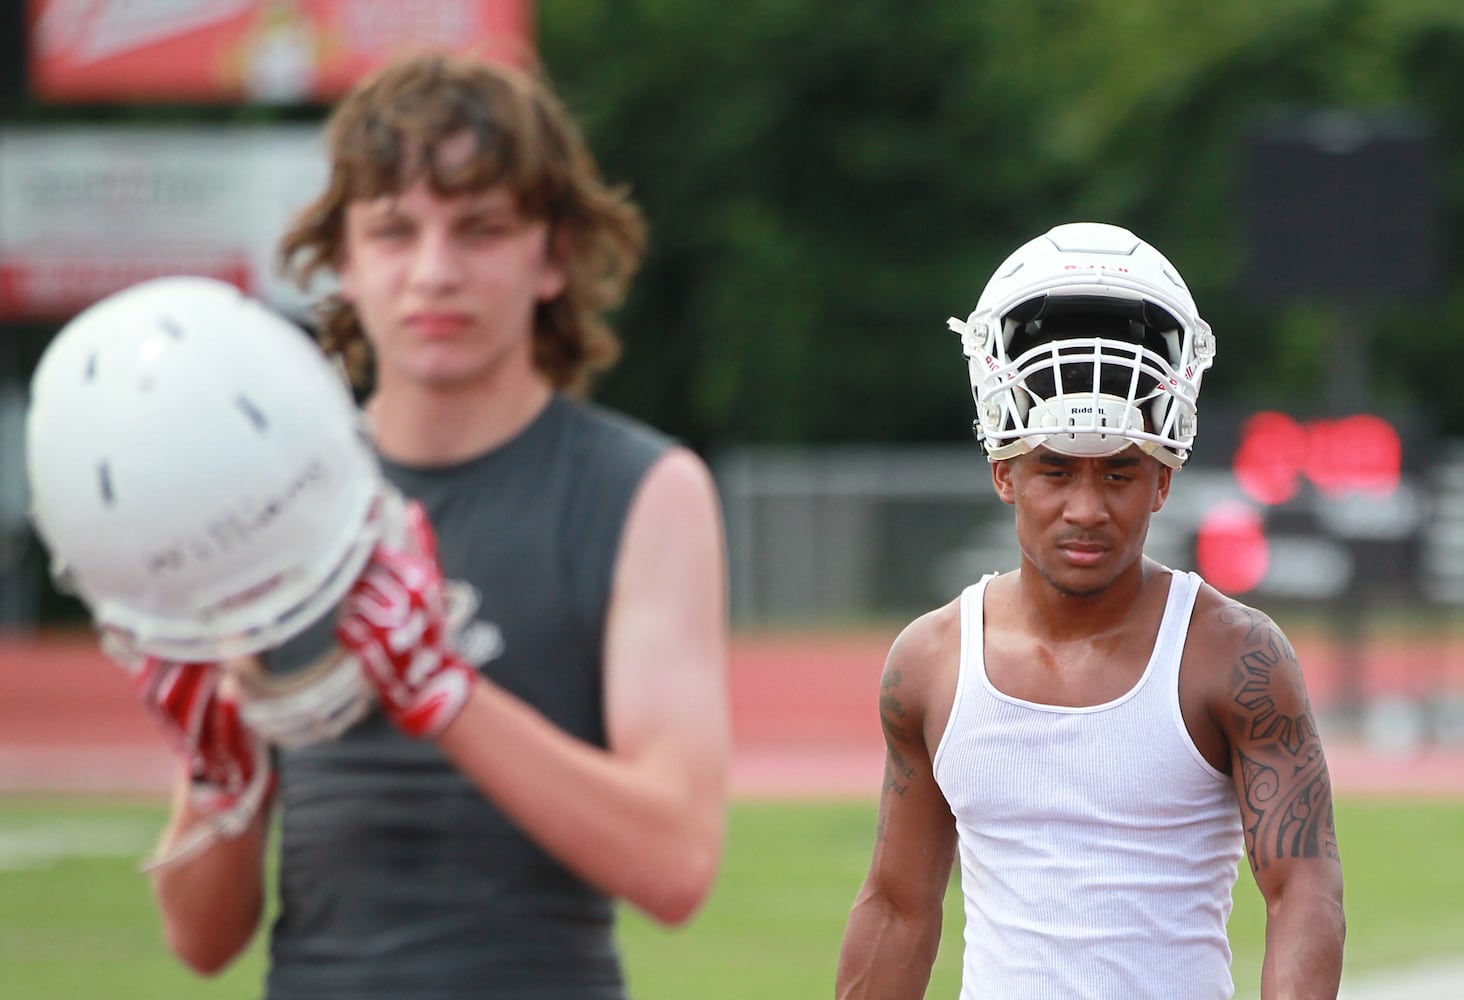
(59, 288)
(267, 51)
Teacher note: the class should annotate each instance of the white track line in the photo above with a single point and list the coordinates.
(40, 845)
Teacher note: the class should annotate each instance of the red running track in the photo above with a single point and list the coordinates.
(804, 710)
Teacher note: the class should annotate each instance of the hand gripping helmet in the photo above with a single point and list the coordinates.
(1086, 340)
(204, 482)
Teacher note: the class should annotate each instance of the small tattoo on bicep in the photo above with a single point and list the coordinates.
(897, 773)
(892, 709)
(893, 718)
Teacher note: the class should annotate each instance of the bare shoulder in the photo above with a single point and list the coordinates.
(668, 609)
(926, 638)
(919, 677)
(678, 479)
(1248, 659)
(924, 649)
(676, 512)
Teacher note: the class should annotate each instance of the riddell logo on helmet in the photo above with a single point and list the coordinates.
(1094, 267)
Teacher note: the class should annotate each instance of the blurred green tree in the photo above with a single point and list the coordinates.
(828, 181)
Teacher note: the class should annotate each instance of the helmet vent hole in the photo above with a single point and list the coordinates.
(90, 372)
(171, 327)
(255, 415)
(104, 484)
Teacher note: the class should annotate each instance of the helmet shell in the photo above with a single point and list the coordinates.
(199, 471)
(1097, 269)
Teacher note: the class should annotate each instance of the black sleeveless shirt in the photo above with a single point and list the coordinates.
(397, 877)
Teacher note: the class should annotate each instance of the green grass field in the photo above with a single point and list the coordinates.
(76, 922)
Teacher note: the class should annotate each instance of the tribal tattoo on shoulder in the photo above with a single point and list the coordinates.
(1286, 792)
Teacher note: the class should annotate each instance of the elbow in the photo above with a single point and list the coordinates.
(206, 952)
(201, 958)
(681, 891)
(677, 908)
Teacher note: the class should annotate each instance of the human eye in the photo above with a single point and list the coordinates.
(389, 228)
(486, 226)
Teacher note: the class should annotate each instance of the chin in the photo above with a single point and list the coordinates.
(1078, 584)
(446, 373)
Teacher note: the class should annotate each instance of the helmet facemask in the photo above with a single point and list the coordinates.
(1087, 377)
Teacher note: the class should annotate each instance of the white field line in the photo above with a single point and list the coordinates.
(1432, 981)
(40, 845)
(1437, 979)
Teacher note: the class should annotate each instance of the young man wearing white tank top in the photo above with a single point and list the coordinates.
(1096, 738)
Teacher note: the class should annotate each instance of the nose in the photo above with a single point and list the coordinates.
(435, 263)
(1085, 504)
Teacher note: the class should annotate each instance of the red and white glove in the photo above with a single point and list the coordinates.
(395, 620)
(228, 764)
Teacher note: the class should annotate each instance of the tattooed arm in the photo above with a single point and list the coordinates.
(1285, 796)
(894, 928)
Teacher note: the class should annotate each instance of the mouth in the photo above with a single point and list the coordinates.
(438, 324)
(1082, 553)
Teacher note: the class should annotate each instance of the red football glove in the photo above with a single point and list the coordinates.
(395, 621)
(228, 765)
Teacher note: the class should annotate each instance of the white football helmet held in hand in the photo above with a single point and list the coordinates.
(1086, 340)
(201, 476)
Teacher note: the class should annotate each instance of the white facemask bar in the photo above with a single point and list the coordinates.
(322, 700)
(1083, 419)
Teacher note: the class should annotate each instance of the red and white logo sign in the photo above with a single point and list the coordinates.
(251, 50)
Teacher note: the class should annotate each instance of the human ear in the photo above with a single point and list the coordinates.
(1001, 481)
(554, 278)
(1161, 490)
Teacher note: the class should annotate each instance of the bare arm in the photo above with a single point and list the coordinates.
(894, 929)
(642, 820)
(211, 902)
(1285, 796)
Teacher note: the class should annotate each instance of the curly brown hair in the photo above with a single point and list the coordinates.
(384, 136)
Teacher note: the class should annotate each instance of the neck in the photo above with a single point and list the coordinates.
(1061, 616)
(427, 425)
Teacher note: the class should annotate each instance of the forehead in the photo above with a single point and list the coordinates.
(419, 198)
(457, 163)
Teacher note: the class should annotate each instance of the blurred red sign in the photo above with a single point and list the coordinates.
(60, 288)
(1231, 549)
(251, 50)
(1357, 454)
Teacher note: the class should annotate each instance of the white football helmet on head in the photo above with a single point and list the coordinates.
(206, 485)
(1086, 340)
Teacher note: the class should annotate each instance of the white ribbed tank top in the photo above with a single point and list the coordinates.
(1098, 848)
